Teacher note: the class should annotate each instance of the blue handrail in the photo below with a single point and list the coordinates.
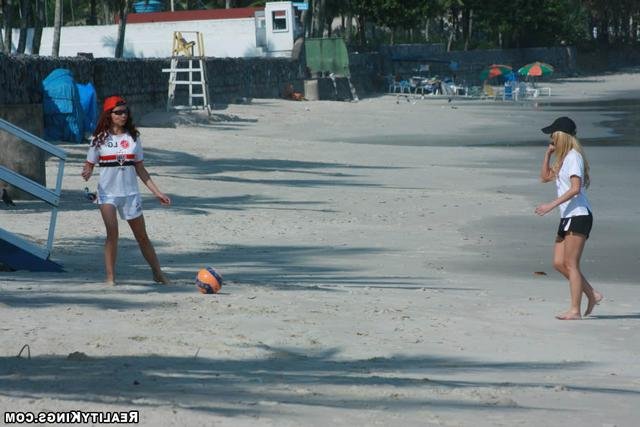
(52, 197)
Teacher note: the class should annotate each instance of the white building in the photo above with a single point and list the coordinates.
(240, 32)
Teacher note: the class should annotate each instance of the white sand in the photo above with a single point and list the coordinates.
(367, 284)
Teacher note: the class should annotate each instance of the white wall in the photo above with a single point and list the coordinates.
(222, 38)
(280, 43)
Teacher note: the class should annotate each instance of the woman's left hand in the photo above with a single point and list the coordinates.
(544, 209)
(164, 199)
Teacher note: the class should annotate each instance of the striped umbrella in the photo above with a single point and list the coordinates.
(536, 69)
(495, 70)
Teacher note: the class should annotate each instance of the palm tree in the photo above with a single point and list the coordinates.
(25, 12)
(7, 12)
(37, 29)
(123, 10)
(57, 25)
(93, 19)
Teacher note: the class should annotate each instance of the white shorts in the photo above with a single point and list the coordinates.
(129, 207)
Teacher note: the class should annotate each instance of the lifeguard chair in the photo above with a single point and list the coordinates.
(187, 58)
(181, 46)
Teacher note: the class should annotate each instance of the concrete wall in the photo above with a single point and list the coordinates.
(20, 156)
(222, 38)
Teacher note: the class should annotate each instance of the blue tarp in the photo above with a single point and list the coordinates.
(63, 114)
(89, 103)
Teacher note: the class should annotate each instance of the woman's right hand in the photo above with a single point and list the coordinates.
(551, 148)
(87, 171)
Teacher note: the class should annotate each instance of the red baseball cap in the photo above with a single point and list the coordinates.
(112, 102)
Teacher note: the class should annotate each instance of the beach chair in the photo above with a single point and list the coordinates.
(475, 92)
(488, 91)
(510, 92)
(542, 90)
(448, 89)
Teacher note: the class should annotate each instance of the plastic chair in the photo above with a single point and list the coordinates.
(488, 91)
(509, 93)
(402, 86)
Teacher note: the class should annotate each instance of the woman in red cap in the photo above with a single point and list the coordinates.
(117, 148)
(570, 170)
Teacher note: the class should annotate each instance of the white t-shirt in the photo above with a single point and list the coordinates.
(117, 157)
(573, 165)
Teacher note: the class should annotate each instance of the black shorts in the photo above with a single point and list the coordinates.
(580, 224)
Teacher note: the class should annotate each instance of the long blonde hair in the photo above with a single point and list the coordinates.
(565, 143)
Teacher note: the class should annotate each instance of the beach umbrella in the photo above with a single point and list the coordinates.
(495, 70)
(536, 69)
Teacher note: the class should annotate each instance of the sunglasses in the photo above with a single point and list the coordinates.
(120, 112)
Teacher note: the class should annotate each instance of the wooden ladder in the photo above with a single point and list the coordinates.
(184, 60)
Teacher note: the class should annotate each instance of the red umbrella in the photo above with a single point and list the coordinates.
(495, 70)
(536, 69)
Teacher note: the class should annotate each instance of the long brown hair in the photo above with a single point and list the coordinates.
(565, 143)
(103, 128)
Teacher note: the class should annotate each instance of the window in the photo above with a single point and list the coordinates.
(279, 18)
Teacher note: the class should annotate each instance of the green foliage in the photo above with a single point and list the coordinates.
(397, 13)
(459, 23)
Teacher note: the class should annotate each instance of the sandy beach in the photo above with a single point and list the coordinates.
(379, 261)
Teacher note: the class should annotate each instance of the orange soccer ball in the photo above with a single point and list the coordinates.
(208, 281)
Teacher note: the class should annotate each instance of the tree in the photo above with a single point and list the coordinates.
(318, 8)
(395, 14)
(57, 27)
(123, 10)
(7, 12)
(25, 9)
(37, 28)
(93, 18)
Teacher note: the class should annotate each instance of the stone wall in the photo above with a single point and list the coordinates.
(403, 60)
(21, 76)
(233, 78)
(366, 72)
(601, 60)
(142, 81)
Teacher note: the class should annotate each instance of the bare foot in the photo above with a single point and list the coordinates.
(160, 278)
(593, 301)
(569, 316)
(110, 282)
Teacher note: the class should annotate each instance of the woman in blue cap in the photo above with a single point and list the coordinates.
(570, 171)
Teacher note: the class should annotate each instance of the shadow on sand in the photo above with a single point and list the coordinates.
(256, 386)
(282, 268)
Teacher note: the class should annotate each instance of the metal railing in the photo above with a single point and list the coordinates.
(52, 197)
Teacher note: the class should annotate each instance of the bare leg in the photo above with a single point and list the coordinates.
(140, 232)
(573, 246)
(111, 242)
(594, 297)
